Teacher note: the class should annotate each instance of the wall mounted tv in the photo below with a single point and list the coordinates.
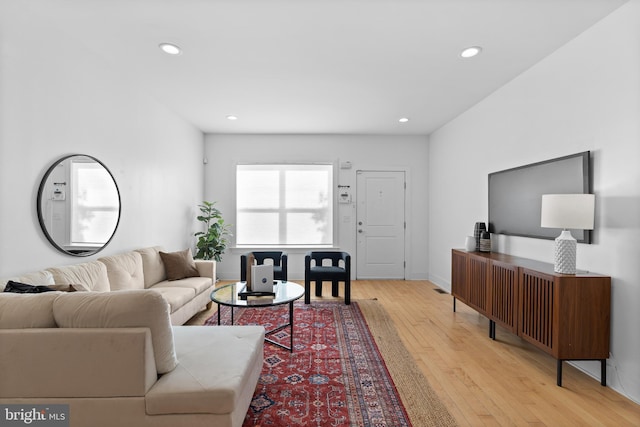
(515, 195)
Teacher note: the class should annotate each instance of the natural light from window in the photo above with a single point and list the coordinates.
(95, 204)
(284, 205)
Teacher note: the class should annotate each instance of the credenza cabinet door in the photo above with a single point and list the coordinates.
(459, 275)
(583, 308)
(537, 304)
(503, 294)
(477, 283)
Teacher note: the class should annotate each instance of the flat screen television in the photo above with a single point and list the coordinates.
(515, 195)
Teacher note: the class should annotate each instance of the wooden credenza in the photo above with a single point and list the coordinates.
(564, 315)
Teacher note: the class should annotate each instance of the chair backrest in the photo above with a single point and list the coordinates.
(279, 259)
(275, 256)
(319, 256)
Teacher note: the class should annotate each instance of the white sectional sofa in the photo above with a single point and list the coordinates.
(116, 360)
(116, 352)
(139, 269)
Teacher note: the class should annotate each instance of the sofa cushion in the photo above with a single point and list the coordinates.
(179, 265)
(18, 311)
(175, 296)
(219, 368)
(152, 266)
(124, 271)
(92, 274)
(198, 284)
(131, 308)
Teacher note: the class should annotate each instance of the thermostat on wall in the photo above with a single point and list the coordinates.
(58, 195)
(344, 197)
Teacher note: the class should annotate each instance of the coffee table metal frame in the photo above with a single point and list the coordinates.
(286, 293)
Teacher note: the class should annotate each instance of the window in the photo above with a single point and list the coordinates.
(280, 205)
(94, 204)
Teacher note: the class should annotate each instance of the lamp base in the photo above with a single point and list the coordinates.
(565, 253)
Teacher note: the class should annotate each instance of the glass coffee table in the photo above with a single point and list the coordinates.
(285, 293)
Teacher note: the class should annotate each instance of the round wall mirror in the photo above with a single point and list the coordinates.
(78, 205)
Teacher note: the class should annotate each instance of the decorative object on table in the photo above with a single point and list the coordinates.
(262, 278)
(246, 274)
(479, 228)
(470, 244)
(277, 258)
(214, 240)
(485, 241)
(567, 211)
(252, 291)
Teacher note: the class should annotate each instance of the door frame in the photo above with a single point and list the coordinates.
(407, 215)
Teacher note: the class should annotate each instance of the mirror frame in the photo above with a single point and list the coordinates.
(41, 189)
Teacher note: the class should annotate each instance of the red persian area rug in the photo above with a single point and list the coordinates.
(335, 375)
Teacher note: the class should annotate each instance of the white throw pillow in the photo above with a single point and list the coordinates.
(152, 266)
(124, 271)
(92, 274)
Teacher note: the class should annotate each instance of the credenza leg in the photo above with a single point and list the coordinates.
(603, 372)
(454, 304)
(559, 373)
(492, 329)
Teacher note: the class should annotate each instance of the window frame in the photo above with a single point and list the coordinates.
(333, 209)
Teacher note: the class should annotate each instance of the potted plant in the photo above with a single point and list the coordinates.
(214, 240)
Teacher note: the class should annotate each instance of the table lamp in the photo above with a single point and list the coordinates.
(567, 211)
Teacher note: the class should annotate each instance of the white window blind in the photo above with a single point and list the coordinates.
(285, 204)
(94, 204)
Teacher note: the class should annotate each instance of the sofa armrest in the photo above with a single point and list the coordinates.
(76, 362)
(206, 268)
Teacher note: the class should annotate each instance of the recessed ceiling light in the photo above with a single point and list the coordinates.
(232, 117)
(470, 52)
(171, 49)
(403, 120)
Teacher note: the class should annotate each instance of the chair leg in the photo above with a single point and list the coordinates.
(318, 288)
(334, 288)
(307, 291)
(347, 292)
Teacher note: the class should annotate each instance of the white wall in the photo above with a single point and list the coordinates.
(57, 98)
(365, 152)
(585, 96)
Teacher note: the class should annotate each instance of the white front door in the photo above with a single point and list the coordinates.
(380, 225)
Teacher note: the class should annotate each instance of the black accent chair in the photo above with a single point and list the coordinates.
(338, 271)
(279, 259)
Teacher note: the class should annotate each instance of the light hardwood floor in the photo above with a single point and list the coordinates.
(505, 382)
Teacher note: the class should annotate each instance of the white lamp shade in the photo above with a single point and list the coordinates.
(567, 211)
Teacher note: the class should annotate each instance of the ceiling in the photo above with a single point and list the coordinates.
(319, 66)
